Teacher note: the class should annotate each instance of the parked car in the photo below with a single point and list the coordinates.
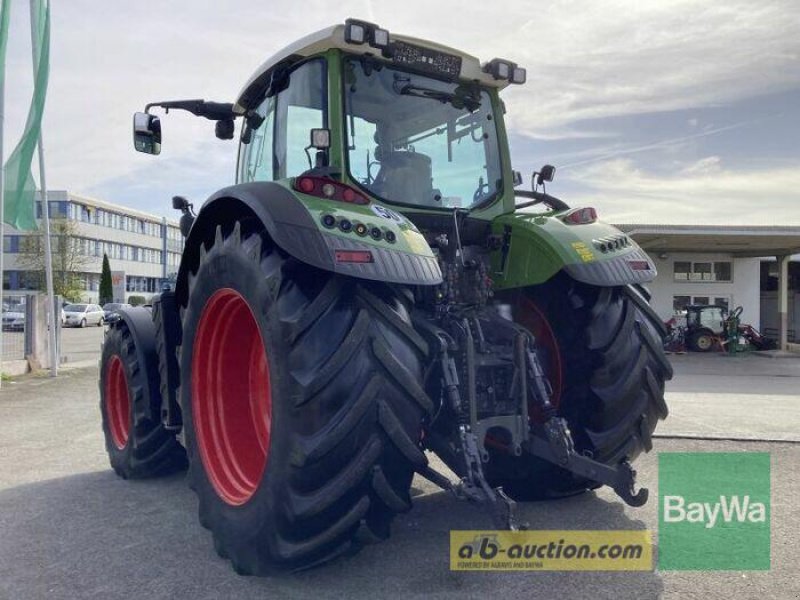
(81, 315)
(13, 320)
(110, 309)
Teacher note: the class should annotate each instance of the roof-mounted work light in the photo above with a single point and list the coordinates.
(380, 38)
(360, 32)
(355, 32)
(505, 69)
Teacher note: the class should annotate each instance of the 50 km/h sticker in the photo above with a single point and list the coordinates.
(583, 251)
(551, 551)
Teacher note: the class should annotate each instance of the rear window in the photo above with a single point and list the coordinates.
(75, 308)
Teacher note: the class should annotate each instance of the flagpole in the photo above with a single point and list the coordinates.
(2, 200)
(48, 256)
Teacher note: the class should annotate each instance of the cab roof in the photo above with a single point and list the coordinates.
(334, 37)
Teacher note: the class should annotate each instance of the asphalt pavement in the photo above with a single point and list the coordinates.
(81, 346)
(69, 528)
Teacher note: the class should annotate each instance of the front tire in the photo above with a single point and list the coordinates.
(318, 376)
(83, 323)
(701, 341)
(608, 368)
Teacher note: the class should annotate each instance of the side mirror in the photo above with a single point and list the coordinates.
(546, 174)
(146, 133)
(224, 129)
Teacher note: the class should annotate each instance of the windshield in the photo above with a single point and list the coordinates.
(75, 308)
(417, 140)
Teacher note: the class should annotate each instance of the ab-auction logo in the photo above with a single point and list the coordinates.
(714, 511)
(574, 550)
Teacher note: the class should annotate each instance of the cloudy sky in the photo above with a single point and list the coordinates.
(655, 112)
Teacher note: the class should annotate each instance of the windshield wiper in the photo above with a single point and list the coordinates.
(461, 98)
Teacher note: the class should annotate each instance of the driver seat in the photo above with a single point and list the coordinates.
(404, 176)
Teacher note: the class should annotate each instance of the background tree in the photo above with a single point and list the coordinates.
(70, 259)
(106, 288)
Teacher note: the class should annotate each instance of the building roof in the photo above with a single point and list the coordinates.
(744, 241)
(119, 208)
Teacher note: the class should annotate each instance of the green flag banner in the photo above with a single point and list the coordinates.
(19, 184)
(5, 13)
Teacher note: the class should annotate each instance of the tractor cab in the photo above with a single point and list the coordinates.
(706, 317)
(704, 324)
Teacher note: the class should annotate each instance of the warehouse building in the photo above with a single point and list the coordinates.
(747, 266)
(143, 249)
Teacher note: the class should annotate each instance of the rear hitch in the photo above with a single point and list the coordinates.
(503, 508)
(621, 478)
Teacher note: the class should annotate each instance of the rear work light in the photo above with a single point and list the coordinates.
(322, 187)
(505, 69)
(580, 216)
(360, 32)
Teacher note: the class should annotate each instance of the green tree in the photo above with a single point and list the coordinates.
(70, 260)
(106, 289)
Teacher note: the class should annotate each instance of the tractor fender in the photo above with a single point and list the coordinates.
(140, 323)
(294, 228)
(531, 249)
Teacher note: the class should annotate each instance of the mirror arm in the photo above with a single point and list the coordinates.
(214, 111)
(540, 198)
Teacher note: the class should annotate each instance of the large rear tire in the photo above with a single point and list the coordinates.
(138, 446)
(606, 361)
(301, 404)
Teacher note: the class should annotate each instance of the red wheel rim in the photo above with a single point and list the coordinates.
(118, 402)
(530, 316)
(231, 398)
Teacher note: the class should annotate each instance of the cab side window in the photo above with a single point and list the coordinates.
(257, 158)
(301, 107)
(278, 147)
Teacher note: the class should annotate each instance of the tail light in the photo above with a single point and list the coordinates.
(322, 187)
(580, 216)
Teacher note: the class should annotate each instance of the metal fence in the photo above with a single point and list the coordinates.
(25, 323)
(14, 319)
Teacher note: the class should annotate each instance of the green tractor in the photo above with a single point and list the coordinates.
(374, 287)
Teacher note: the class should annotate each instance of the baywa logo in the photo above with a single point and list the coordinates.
(714, 511)
(729, 509)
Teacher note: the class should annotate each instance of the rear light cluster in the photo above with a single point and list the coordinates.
(322, 187)
(580, 216)
(345, 225)
(610, 244)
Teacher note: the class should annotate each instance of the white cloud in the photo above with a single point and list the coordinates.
(585, 60)
(704, 192)
(595, 60)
